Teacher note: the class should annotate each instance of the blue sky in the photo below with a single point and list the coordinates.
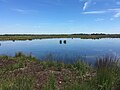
(59, 16)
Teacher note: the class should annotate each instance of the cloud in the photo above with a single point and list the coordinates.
(117, 15)
(115, 9)
(23, 11)
(20, 10)
(94, 12)
(116, 12)
(86, 4)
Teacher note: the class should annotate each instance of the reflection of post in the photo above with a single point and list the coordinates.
(0, 44)
(13, 40)
(60, 41)
(64, 41)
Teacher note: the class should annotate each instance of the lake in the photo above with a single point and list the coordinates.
(65, 49)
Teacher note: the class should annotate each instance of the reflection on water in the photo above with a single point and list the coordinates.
(62, 48)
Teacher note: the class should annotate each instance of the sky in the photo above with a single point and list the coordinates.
(59, 16)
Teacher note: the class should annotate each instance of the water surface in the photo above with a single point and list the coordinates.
(63, 49)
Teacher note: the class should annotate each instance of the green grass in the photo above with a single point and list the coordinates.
(51, 83)
(18, 83)
(108, 73)
(25, 72)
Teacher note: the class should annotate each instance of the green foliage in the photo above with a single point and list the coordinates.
(53, 65)
(51, 83)
(81, 67)
(17, 83)
(5, 57)
(79, 86)
(108, 73)
(78, 76)
(20, 54)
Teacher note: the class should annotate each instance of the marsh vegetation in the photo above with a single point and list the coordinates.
(47, 36)
(25, 72)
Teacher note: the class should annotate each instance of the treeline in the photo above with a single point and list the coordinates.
(90, 34)
(56, 34)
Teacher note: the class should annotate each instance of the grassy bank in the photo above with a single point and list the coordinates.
(32, 37)
(24, 72)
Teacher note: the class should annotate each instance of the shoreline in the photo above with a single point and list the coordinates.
(25, 72)
(33, 36)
